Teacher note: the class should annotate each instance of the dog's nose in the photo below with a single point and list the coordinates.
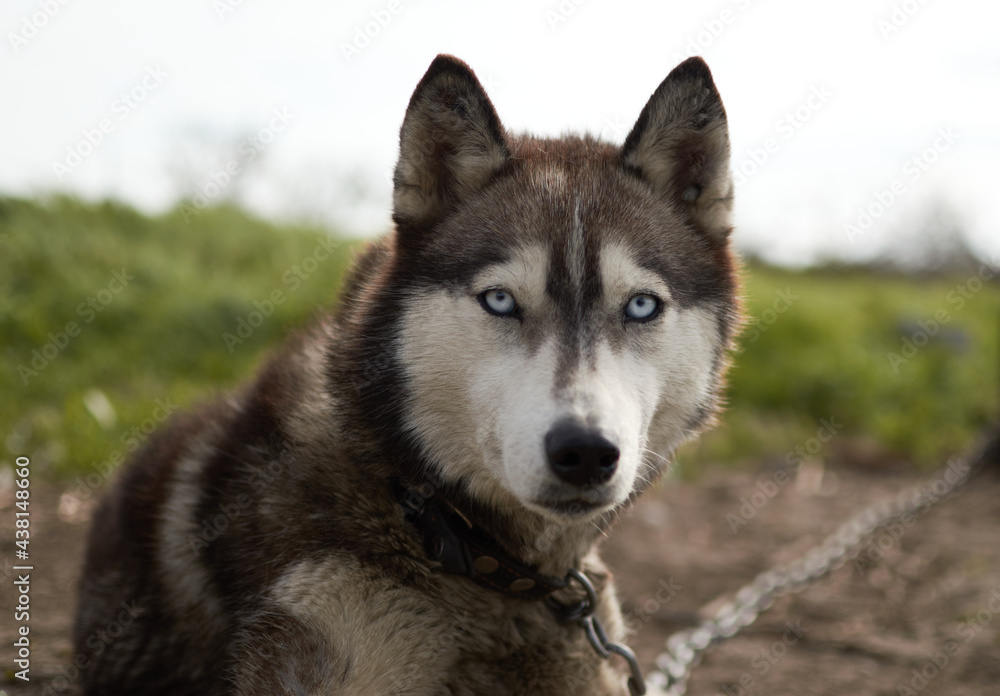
(580, 456)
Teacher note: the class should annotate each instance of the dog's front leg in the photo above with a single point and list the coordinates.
(277, 654)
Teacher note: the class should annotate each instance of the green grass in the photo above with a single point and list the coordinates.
(828, 354)
(161, 336)
(819, 355)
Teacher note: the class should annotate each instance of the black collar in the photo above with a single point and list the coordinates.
(462, 549)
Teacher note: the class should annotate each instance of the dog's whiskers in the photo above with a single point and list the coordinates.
(657, 455)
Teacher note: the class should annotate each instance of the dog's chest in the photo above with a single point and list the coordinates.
(396, 640)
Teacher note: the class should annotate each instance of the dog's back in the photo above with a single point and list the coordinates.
(184, 549)
(128, 632)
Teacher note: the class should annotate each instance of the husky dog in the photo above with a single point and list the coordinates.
(407, 499)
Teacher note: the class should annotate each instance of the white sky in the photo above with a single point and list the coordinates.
(224, 73)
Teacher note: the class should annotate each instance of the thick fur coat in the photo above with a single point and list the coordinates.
(530, 285)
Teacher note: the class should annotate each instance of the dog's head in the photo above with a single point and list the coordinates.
(565, 304)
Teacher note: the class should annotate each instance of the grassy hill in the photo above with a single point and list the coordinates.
(157, 304)
(109, 318)
(899, 366)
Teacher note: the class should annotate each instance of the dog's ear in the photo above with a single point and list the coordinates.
(680, 145)
(450, 145)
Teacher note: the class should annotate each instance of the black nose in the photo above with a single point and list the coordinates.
(580, 456)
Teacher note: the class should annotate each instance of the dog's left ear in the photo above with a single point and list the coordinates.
(680, 145)
(450, 145)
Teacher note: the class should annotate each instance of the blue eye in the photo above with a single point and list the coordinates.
(642, 308)
(498, 302)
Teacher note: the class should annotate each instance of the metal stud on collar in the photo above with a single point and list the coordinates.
(583, 613)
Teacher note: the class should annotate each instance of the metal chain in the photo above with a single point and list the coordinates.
(685, 648)
(583, 614)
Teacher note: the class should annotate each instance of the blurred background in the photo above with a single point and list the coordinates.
(167, 168)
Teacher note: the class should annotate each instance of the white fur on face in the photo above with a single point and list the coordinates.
(455, 356)
(608, 396)
(675, 357)
(482, 399)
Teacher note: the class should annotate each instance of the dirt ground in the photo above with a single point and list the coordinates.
(917, 614)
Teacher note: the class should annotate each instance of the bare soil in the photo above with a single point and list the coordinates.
(919, 615)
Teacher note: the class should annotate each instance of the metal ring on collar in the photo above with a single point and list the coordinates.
(582, 609)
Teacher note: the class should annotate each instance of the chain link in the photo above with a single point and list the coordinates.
(685, 648)
(583, 614)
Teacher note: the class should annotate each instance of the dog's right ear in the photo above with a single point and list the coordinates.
(450, 145)
(680, 146)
